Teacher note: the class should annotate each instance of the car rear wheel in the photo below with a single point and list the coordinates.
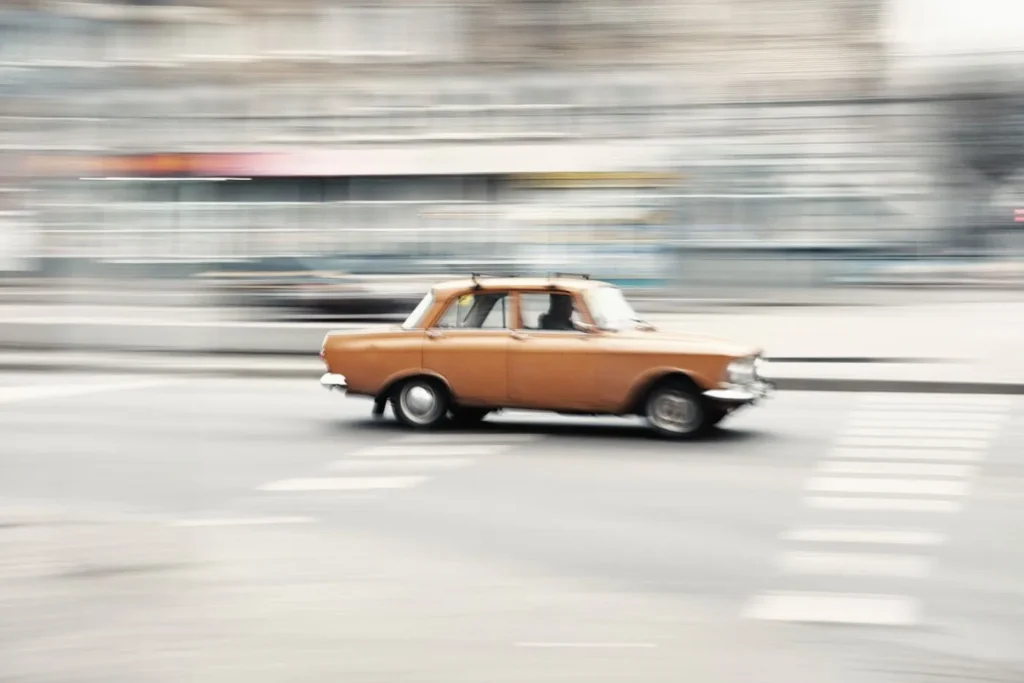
(420, 402)
(676, 410)
(464, 417)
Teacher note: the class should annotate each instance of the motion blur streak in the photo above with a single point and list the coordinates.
(192, 194)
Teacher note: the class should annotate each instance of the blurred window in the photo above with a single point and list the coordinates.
(476, 312)
(416, 317)
(543, 311)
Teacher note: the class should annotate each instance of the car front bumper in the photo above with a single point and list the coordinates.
(332, 381)
(739, 395)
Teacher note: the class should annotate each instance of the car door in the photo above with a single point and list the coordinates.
(551, 368)
(468, 347)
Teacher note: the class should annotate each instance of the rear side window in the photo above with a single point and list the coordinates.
(477, 312)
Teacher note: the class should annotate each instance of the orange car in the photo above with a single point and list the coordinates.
(567, 344)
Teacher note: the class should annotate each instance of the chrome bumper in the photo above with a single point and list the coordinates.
(333, 381)
(741, 395)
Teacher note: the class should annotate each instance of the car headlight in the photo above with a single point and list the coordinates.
(742, 371)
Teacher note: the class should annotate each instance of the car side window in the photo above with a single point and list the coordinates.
(476, 312)
(554, 311)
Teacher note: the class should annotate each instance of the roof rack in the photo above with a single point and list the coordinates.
(475, 277)
(582, 276)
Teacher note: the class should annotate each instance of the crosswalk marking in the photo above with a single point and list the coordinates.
(899, 456)
(916, 469)
(456, 438)
(855, 564)
(396, 463)
(939, 401)
(896, 442)
(849, 453)
(924, 487)
(904, 432)
(875, 610)
(942, 419)
(440, 450)
(343, 483)
(883, 504)
(864, 536)
(241, 521)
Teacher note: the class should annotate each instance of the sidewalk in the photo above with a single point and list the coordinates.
(934, 347)
(978, 345)
(903, 377)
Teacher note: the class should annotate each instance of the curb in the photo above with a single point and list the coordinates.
(311, 372)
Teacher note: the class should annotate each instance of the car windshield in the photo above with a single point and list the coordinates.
(416, 317)
(610, 309)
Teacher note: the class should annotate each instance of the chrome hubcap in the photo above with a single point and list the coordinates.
(420, 403)
(675, 412)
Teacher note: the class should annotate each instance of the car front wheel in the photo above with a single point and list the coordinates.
(421, 403)
(676, 410)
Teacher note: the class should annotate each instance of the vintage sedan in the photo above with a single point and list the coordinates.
(566, 344)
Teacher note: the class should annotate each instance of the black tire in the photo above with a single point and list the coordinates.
(420, 403)
(466, 417)
(715, 415)
(675, 409)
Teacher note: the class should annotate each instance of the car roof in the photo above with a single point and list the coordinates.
(538, 284)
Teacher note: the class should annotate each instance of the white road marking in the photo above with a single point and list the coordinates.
(907, 432)
(958, 400)
(907, 454)
(343, 484)
(942, 419)
(914, 469)
(55, 391)
(454, 438)
(866, 536)
(882, 504)
(923, 487)
(645, 646)
(242, 521)
(856, 564)
(395, 463)
(895, 442)
(875, 610)
(440, 450)
(924, 411)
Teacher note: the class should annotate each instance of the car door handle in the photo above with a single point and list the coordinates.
(520, 336)
(434, 334)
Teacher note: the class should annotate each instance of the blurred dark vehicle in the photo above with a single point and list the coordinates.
(315, 287)
(382, 288)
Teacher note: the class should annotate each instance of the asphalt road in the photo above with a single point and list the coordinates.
(264, 530)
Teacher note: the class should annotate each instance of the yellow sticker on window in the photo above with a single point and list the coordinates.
(466, 300)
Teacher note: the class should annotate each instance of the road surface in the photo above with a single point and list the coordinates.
(221, 530)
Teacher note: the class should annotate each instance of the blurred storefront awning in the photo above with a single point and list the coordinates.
(428, 160)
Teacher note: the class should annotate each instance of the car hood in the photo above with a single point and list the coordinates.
(687, 342)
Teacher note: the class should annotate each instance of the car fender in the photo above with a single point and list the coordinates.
(397, 377)
(643, 383)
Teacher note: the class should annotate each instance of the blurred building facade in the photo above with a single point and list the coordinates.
(446, 131)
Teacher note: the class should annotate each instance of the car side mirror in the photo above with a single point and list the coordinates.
(586, 328)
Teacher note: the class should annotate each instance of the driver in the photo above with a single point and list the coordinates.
(559, 315)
